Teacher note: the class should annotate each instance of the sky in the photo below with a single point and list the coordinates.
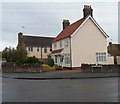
(45, 18)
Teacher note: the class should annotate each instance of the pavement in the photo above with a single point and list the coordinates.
(76, 74)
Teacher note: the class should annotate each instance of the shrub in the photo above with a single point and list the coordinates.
(46, 67)
(49, 61)
(57, 67)
(29, 60)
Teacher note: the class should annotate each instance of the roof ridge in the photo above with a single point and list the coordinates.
(37, 36)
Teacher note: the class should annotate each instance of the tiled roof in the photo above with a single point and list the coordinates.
(36, 41)
(69, 30)
(56, 51)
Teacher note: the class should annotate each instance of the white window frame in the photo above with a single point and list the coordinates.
(60, 44)
(67, 59)
(55, 45)
(66, 42)
(38, 49)
(100, 56)
(30, 49)
(45, 49)
(55, 59)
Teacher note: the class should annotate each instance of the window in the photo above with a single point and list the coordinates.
(30, 49)
(66, 43)
(55, 45)
(45, 50)
(101, 56)
(60, 44)
(55, 58)
(67, 58)
(38, 49)
(61, 58)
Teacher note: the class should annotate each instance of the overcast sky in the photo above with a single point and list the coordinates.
(45, 19)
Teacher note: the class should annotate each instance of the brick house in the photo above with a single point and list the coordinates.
(39, 47)
(114, 50)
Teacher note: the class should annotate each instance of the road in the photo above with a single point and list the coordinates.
(63, 90)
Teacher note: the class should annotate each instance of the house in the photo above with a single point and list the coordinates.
(83, 41)
(39, 47)
(114, 50)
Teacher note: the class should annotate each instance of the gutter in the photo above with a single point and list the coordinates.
(70, 53)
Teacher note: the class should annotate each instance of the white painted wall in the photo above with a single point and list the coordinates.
(66, 50)
(86, 42)
(38, 54)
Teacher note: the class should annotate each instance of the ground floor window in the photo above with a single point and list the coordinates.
(67, 58)
(61, 58)
(55, 58)
(100, 56)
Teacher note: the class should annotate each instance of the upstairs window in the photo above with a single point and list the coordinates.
(45, 50)
(55, 45)
(60, 44)
(66, 43)
(100, 56)
(30, 49)
(38, 49)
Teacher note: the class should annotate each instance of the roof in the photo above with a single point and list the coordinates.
(114, 49)
(76, 25)
(36, 41)
(69, 30)
(56, 51)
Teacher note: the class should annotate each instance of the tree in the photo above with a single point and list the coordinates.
(8, 53)
(12, 55)
(19, 54)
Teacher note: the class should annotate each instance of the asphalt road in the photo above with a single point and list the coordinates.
(64, 90)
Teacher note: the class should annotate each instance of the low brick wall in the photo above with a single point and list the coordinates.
(12, 67)
(104, 68)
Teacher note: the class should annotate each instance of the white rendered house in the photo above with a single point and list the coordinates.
(84, 41)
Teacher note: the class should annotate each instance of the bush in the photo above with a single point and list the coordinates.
(46, 67)
(30, 60)
(57, 67)
(49, 61)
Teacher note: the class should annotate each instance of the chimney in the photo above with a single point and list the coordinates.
(87, 11)
(20, 41)
(66, 23)
(20, 34)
